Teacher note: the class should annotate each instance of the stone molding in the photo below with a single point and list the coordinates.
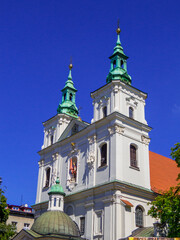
(55, 156)
(41, 163)
(92, 139)
(145, 139)
(74, 150)
(89, 204)
(116, 129)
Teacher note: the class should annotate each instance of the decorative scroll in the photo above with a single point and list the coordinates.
(145, 139)
(91, 160)
(116, 129)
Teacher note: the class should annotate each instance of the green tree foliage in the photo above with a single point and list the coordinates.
(166, 206)
(6, 231)
(3, 211)
(175, 154)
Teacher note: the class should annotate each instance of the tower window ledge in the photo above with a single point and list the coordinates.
(135, 168)
(45, 188)
(102, 167)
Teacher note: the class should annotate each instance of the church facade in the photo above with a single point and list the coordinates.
(103, 166)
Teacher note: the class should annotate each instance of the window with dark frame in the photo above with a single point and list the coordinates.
(82, 225)
(133, 156)
(47, 177)
(105, 111)
(26, 225)
(139, 216)
(131, 112)
(104, 155)
(51, 139)
(122, 64)
(114, 64)
(70, 97)
(54, 202)
(14, 223)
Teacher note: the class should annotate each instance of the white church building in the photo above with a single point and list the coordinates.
(103, 166)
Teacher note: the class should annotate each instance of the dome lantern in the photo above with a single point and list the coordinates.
(56, 197)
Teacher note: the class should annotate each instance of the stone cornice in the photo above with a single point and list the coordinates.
(121, 85)
(124, 187)
(56, 117)
(113, 116)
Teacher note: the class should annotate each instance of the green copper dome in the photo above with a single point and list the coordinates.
(57, 188)
(56, 223)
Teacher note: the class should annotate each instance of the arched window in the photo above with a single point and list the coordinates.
(73, 169)
(139, 216)
(47, 177)
(114, 64)
(104, 154)
(64, 96)
(70, 97)
(131, 112)
(105, 111)
(133, 156)
(69, 210)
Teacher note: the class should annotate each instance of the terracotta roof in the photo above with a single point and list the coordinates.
(127, 203)
(163, 172)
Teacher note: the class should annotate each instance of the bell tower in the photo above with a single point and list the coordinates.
(68, 105)
(118, 69)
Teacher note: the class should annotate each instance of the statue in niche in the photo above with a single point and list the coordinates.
(73, 169)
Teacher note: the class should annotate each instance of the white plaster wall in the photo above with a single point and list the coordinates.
(118, 96)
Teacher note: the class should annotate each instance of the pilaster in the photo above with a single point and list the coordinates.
(40, 180)
(89, 219)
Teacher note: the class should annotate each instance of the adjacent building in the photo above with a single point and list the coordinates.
(20, 216)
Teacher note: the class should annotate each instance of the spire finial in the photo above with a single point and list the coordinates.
(70, 65)
(57, 180)
(118, 28)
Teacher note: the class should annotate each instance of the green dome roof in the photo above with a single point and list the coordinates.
(57, 188)
(55, 223)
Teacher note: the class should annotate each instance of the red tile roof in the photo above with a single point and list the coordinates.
(127, 203)
(163, 172)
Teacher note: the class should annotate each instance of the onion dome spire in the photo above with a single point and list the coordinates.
(68, 105)
(118, 70)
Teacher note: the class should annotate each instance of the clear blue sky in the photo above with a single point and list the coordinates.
(37, 39)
